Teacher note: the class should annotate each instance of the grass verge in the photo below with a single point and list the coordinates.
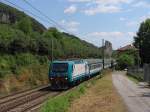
(135, 80)
(101, 97)
(97, 89)
(62, 102)
(135, 77)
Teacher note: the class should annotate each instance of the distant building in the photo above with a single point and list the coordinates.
(108, 48)
(126, 48)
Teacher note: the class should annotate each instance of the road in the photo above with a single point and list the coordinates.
(135, 96)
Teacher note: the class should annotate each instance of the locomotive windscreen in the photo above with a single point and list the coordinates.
(59, 67)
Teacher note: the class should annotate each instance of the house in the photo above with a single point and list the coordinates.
(126, 48)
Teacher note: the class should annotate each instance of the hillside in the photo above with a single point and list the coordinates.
(25, 46)
(10, 15)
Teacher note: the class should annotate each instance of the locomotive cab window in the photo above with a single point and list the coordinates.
(59, 67)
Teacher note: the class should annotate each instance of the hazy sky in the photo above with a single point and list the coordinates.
(94, 20)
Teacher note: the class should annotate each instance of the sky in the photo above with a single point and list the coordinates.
(92, 20)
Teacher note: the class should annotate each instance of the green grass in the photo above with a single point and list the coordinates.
(100, 97)
(103, 88)
(135, 80)
(62, 102)
(135, 77)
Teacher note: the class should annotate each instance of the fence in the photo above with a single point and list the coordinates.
(147, 73)
(136, 72)
(142, 74)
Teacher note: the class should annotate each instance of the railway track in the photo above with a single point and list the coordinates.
(26, 101)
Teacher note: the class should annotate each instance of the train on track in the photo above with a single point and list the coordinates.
(64, 74)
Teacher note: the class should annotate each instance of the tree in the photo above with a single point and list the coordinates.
(142, 41)
(25, 25)
(125, 61)
(43, 46)
(18, 45)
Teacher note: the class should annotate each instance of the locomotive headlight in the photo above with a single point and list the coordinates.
(51, 78)
(66, 78)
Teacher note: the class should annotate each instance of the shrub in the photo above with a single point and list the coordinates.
(25, 59)
(125, 61)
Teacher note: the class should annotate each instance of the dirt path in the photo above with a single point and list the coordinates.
(136, 97)
(100, 97)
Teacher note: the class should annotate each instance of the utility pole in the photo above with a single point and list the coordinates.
(103, 53)
(52, 50)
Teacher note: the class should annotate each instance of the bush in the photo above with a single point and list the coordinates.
(25, 25)
(125, 61)
(26, 59)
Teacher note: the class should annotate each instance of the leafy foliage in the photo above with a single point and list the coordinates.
(142, 41)
(125, 61)
(23, 42)
(25, 25)
(15, 16)
(25, 45)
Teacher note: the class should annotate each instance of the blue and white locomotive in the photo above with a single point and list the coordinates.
(64, 74)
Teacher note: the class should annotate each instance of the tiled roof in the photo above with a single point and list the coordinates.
(127, 47)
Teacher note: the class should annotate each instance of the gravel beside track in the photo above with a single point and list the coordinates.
(27, 100)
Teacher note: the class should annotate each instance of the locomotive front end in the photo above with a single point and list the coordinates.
(59, 75)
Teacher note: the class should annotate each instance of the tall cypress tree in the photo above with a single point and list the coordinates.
(142, 41)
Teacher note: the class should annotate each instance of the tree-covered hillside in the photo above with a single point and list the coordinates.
(10, 15)
(26, 47)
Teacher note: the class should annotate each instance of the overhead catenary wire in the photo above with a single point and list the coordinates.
(33, 15)
(17, 6)
(51, 20)
(48, 18)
